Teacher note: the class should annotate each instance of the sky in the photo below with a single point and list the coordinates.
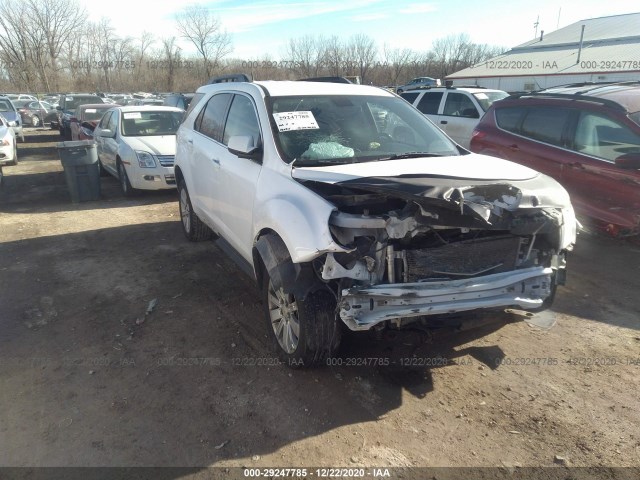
(261, 29)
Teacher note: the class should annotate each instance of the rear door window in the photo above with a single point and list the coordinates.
(430, 102)
(546, 124)
(459, 105)
(509, 118)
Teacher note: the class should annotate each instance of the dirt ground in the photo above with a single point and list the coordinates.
(88, 378)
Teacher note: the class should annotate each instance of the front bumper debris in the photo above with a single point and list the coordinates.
(363, 307)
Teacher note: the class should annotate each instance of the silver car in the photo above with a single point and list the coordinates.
(11, 115)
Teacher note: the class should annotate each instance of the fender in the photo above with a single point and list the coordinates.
(295, 278)
(299, 216)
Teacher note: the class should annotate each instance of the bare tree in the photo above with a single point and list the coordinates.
(335, 56)
(397, 61)
(364, 54)
(197, 24)
(171, 60)
(58, 20)
(15, 43)
(306, 55)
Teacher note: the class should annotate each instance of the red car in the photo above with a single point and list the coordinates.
(86, 119)
(585, 136)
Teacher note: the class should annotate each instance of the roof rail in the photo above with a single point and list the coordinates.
(573, 97)
(326, 79)
(236, 77)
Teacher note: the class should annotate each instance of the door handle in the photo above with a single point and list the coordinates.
(577, 165)
(514, 148)
(443, 122)
(190, 140)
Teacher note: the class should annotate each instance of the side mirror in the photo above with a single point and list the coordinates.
(107, 133)
(628, 161)
(243, 146)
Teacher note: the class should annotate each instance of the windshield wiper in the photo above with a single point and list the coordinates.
(398, 156)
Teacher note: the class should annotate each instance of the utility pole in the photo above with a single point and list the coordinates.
(535, 25)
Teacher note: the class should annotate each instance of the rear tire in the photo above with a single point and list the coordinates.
(194, 229)
(305, 333)
(35, 121)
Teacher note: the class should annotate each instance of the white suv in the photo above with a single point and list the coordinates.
(456, 110)
(349, 208)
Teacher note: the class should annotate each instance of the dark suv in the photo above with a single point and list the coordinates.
(67, 107)
(585, 136)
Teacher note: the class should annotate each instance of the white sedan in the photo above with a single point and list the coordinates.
(137, 145)
(8, 149)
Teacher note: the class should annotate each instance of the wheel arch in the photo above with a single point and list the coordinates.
(272, 257)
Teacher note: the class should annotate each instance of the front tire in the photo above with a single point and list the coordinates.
(125, 185)
(35, 121)
(194, 229)
(304, 332)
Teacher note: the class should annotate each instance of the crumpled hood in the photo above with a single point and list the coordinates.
(157, 145)
(472, 167)
(474, 184)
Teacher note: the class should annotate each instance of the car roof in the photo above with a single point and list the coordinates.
(147, 108)
(284, 88)
(626, 94)
(97, 105)
(453, 89)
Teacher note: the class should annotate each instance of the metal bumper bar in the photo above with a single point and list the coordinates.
(363, 307)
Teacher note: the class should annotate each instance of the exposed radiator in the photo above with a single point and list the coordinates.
(468, 258)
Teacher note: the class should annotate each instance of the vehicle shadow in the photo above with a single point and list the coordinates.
(602, 281)
(27, 192)
(139, 348)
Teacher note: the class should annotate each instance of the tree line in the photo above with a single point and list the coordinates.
(51, 46)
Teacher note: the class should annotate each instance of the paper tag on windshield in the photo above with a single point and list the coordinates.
(69, 99)
(91, 110)
(129, 115)
(481, 96)
(288, 121)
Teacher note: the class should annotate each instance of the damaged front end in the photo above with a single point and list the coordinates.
(417, 246)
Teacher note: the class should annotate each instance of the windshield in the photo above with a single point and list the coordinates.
(150, 123)
(486, 99)
(94, 113)
(72, 102)
(6, 106)
(353, 128)
(635, 117)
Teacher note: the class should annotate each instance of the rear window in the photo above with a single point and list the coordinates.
(71, 102)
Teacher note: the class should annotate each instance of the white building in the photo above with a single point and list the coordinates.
(596, 50)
